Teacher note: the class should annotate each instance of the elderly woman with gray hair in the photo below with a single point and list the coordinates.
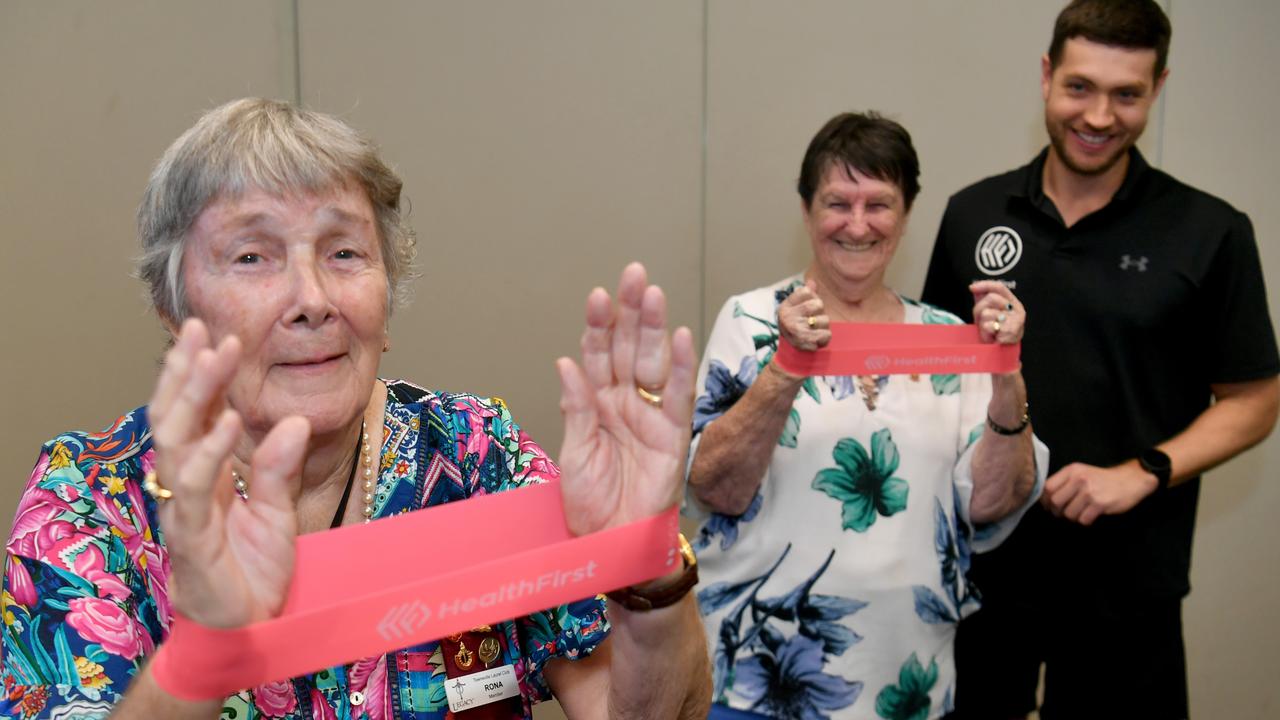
(274, 248)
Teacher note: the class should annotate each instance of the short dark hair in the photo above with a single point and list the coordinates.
(1138, 24)
(866, 142)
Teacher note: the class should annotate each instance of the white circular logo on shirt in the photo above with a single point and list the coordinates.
(999, 249)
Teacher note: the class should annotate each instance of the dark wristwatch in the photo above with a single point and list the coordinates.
(1156, 462)
(637, 600)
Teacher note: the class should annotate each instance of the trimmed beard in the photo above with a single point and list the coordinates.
(1059, 143)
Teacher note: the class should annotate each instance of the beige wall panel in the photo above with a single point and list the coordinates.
(91, 94)
(1219, 135)
(543, 145)
(962, 77)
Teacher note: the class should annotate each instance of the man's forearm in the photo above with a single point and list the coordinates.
(1242, 415)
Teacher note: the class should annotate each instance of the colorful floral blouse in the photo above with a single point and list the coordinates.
(837, 592)
(85, 598)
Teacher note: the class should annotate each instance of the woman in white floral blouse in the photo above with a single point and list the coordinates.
(838, 513)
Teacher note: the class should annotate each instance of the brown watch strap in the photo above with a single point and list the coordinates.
(643, 600)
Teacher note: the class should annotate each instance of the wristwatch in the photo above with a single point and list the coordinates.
(642, 600)
(1155, 461)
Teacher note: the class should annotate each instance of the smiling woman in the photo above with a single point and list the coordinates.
(300, 281)
(274, 249)
(839, 513)
(854, 226)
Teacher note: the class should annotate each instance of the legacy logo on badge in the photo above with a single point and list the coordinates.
(999, 249)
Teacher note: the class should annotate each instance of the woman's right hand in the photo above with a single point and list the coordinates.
(230, 561)
(802, 319)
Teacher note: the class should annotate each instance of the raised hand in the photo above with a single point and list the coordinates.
(999, 315)
(803, 320)
(231, 561)
(627, 409)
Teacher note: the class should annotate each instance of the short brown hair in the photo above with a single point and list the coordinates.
(873, 145)
(1137, 24)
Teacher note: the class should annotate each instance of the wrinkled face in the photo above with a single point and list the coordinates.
(300, 281)
(854, 224)
(1096, 103)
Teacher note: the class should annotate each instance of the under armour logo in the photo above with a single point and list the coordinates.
(1127, 262)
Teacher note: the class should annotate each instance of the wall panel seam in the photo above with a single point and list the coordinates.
(297, 55)
(702, 187)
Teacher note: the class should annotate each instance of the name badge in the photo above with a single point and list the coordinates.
(481, 688)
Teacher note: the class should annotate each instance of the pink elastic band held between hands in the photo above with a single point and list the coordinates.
(898, 349)
(505, 555)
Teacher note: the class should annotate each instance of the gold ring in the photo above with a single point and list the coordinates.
(151, 483)
(813, 322)
(653, 398)
(995, 326)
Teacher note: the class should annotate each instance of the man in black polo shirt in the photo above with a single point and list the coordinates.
(1146, 302)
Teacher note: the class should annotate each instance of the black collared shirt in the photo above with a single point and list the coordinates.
(1131, 314)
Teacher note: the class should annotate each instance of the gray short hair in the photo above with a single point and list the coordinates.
(273, 146)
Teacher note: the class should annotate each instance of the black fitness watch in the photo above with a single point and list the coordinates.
(1156, 462)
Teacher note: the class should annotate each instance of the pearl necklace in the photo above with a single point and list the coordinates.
(368, 481)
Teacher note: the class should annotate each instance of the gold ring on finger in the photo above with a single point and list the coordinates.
(995, 326)
(653, 398)
(151, 483)
(813, 322)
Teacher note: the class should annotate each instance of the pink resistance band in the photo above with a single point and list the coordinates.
(899, 349)
(508, 554)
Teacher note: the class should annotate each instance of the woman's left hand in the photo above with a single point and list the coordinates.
(998, 314)
(627, 409)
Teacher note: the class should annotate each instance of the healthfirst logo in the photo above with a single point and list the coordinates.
(999, 249)
(403, 620)
(878, 363)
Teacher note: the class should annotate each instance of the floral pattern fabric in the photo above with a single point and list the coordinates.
(85, 600)
(837, 592)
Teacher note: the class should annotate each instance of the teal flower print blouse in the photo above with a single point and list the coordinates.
(837, 592)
